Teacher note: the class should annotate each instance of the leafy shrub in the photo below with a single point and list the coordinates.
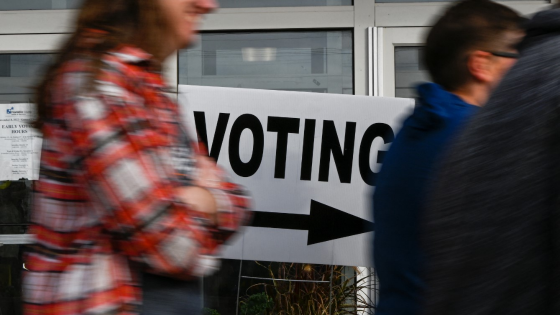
(257, 304)
(209, 311)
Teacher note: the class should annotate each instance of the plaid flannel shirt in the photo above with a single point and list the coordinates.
(104, 208)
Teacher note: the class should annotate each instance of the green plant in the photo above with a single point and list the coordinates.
(209, 311)
(318, 290)
(257, 304)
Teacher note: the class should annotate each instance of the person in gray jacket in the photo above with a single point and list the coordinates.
(492, 227)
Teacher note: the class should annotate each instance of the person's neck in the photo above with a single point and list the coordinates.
(167, 49)
(474, 95)
(164, 55)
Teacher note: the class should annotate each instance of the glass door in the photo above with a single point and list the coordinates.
(399, 60)
(20, 68)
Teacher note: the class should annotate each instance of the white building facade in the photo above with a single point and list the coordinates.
(360, 47)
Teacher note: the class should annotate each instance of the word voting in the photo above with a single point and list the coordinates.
(330, 145)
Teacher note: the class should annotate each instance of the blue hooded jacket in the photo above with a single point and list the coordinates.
(400, 196)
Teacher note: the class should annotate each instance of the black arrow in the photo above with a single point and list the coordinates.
(324, 223)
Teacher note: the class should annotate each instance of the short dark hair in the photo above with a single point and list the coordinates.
(465, 26)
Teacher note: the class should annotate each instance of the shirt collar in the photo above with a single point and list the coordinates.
(132, 54)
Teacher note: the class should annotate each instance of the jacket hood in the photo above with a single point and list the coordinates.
(433, 108)
(543, 23)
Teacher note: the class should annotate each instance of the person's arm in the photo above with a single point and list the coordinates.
(232, 201)
(130, 178)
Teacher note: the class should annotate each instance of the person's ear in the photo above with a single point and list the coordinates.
(480, 66)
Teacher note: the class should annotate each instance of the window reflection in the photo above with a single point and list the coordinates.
(11, 266)
(408, 1)
(319, 61)
(15, 206)
(19, 74)
(281, 3)
(409, 70)
(9, 5)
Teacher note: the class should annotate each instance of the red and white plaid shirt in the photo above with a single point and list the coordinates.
(104, 207)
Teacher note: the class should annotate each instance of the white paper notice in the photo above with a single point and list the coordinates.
(20, 144)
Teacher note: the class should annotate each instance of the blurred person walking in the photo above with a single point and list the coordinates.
(467, 52)
(125, 204)
(492, 230)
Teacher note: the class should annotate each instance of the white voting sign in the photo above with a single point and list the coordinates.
(309, 161)
(20, 144)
